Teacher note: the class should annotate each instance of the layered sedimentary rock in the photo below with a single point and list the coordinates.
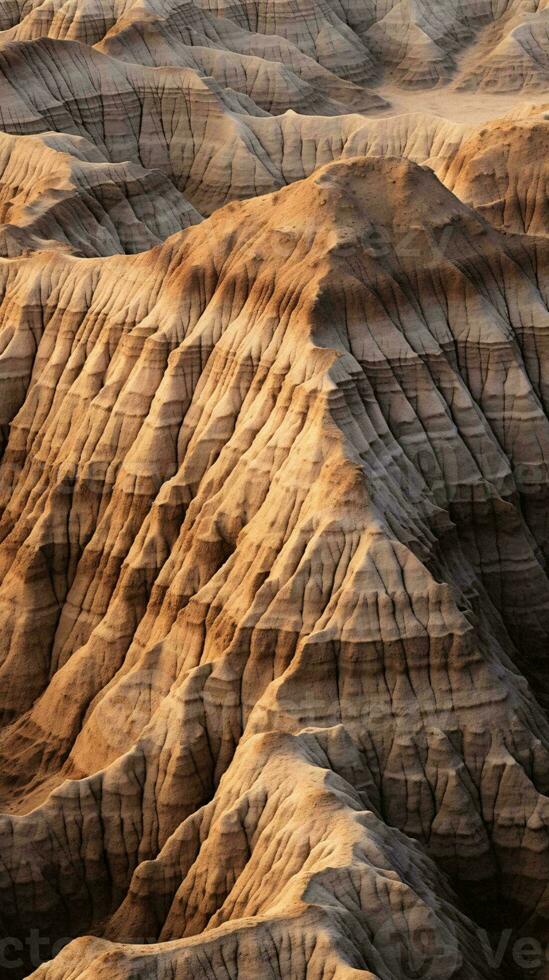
(512, 53)
(501, 46)
(501, 170)
(274, 594)
(274, 599)
(179, 144)
(60, 190)
(272, 70)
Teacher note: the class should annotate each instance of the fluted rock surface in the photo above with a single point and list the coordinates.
(502, 171)
(274, 594)
(59, 190)
(143, 152)
(335, 45)
(274, 477)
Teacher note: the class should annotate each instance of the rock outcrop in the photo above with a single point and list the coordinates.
(59, 190)
(142, 152)
(273, 551)
(274, 451)
(335, 45)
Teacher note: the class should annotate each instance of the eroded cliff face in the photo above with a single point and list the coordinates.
(274, 534)
(122, 156)
(273, 554)
(417, 43)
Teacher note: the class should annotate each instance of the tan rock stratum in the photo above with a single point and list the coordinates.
(274, 489)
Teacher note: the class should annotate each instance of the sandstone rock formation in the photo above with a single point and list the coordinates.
(498, 46)
(274, 450)
(60, 190)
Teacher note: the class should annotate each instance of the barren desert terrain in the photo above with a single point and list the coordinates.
(274, 489)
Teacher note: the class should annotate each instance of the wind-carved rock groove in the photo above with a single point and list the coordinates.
(273, 490)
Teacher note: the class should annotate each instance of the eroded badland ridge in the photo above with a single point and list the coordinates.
(274, 489)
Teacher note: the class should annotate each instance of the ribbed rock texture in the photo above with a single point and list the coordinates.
(274, 490)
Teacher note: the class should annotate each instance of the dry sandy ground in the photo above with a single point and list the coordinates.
(463, 107)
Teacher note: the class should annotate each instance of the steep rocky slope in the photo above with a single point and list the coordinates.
(60, 190)
(274, 587)
(274, 591)
(417, 42)
(150, 150)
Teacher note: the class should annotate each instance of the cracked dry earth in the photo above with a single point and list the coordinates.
(274, 489)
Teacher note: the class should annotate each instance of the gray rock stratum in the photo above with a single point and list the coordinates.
(418, 42)
(274, 488)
